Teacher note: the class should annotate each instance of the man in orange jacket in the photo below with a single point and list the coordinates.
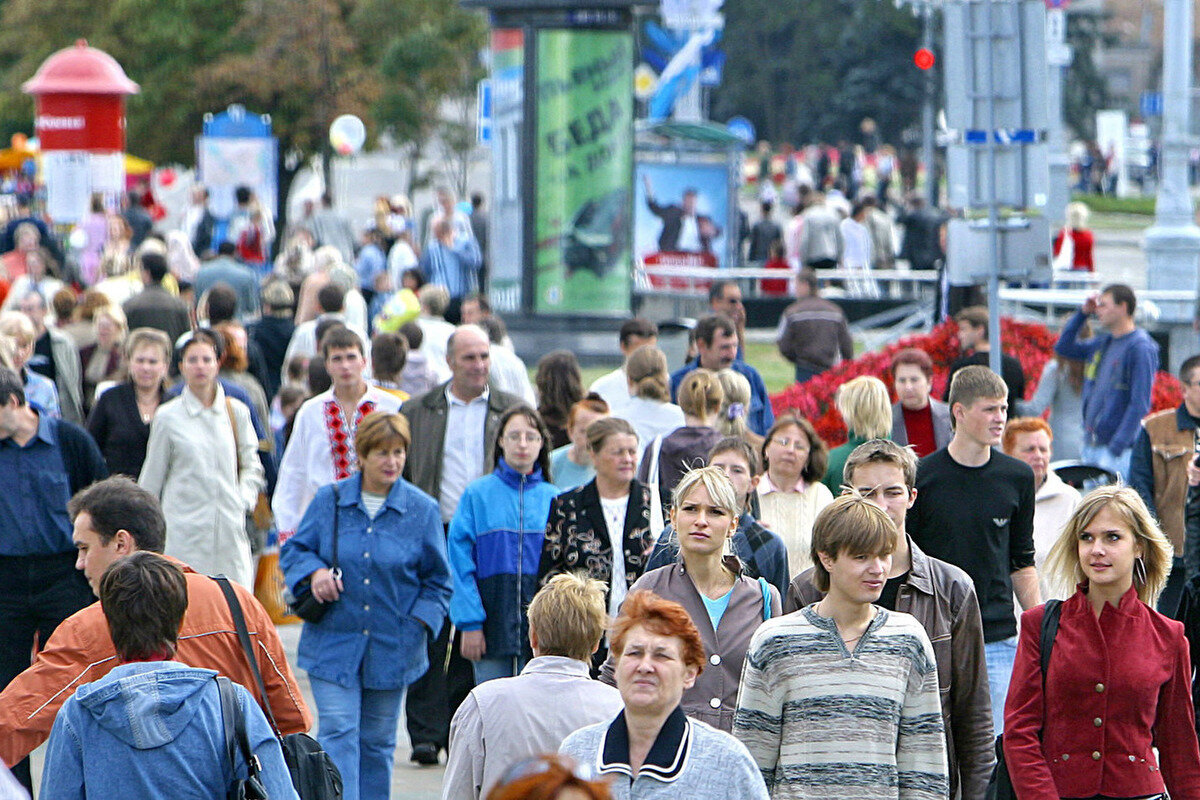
(113, 518)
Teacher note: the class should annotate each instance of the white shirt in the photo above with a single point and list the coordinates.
(613, 387)
(510, 374)
(649, 418)
(435, 332)
(308, 460)
(689, 234)
(304, 340)
(462, 449)
(614, 521)
(857, 247)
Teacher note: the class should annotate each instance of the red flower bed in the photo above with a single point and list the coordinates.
(1031, 343)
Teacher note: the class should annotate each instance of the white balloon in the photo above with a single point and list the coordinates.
(347, 134)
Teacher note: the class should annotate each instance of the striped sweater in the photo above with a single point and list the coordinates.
(825, 724)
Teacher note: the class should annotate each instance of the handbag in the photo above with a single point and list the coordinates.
(250, 787)
(1000, 784)
(314, 775)
(304, 605)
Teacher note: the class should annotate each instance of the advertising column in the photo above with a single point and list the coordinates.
(584, 170)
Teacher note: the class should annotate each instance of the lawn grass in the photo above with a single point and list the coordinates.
(777, 372)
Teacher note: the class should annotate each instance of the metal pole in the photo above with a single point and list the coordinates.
(993, 200)
(927, 152)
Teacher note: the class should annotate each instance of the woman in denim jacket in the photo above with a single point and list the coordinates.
(392, 591)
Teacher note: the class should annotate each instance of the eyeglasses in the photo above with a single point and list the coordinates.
(794, 444)
(516, 437)
(540, 764)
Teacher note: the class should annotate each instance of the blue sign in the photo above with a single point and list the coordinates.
(742, 128)
(483, 95)
(1003, 136)
(235, 122)
(1151, 104)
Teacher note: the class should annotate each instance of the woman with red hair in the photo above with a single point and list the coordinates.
(652, 744)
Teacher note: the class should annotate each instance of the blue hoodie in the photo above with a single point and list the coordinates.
(153, 729)
(494, 548)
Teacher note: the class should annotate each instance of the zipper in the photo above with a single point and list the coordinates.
(520, 566)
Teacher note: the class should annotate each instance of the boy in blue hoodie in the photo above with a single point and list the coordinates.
(152, 728)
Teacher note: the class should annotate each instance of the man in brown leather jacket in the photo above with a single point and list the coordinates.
(942, 598)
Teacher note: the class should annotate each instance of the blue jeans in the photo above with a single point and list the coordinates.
(487, 669)
(358, 730)
(1000, 657)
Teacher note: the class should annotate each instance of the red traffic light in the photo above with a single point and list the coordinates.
(923, 58)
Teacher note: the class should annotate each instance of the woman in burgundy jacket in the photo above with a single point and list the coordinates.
(1119, 680)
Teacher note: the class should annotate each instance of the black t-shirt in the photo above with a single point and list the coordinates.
(981, 520)
(42, 361)
(1010, 370)
(890, 589)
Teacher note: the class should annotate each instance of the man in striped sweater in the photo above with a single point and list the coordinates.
(840, 699)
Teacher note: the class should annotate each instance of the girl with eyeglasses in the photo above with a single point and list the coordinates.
(790, 492)
(495, 545)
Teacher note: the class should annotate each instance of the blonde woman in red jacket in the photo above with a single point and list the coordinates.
(1119, 680)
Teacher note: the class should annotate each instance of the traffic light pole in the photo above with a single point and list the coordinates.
(928, 154)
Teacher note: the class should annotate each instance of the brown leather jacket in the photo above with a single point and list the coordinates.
(1171, 441)
(81, 651)
(942, 598)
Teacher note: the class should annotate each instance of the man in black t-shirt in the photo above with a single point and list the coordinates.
(973, 343)
(974, 509)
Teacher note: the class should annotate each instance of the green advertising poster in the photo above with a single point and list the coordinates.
(584, 171)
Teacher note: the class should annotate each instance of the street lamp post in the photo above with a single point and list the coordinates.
(1173, 242)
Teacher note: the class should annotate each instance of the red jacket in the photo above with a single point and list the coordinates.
(1083, 242)
(81, 651)
(1117, 686)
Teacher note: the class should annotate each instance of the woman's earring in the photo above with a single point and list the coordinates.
(1139, 570)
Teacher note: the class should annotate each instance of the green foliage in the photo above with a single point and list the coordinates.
(1086, 90)
(1107, 204)
(812, 69)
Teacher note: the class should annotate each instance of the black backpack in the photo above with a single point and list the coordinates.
(313, 772)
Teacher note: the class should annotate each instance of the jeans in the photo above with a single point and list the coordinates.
(1101, 456)
(357, 727)
(1000, 657)
(487, 669)
(804, 374)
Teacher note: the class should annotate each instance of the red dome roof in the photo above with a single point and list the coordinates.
(80, 70)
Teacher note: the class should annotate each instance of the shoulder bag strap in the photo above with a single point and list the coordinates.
(1049, 630)
(766, 590)
(235, 729)
(237, 446)
(239, 622)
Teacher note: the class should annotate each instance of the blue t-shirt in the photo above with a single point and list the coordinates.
(565, 473)
(716, 608)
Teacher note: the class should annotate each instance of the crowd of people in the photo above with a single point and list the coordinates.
(648, 587)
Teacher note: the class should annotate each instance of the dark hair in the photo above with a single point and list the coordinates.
(1123, 295)
(736, 444)
(64, 302)
(717, 290)
(226, 248)
(242, 193)
(331, 298)
(416, 273)
(818, 452)
(203, 336)
(708, 327)
(914, 357)
(494, 328)
(559, 385)
(641, 328)
(318, 377)
(975, 316)
(534, 419)
(413, 333)
(485, 305)
(808, 276)
(340, 337)
(389, 352)
(234, 358)
(144, 598)
(118, 503)
(1186, 368)
(156, 265)
(221, 303)
(11, 386)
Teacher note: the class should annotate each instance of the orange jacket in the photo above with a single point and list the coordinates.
(81, 651)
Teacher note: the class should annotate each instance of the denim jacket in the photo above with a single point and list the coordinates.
(153, 729)
(495, 546)
(396, 584)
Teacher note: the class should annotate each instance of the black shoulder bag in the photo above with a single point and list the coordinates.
(1000, 785)
(250, 787)
(304, 605)
(313, 772)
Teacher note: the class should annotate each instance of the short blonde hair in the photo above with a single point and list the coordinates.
(379, 429)
(1062, 563)
(865, 406)
(117, 315)
(715, 482)
(850, 525)
(152, 337)
(568, 616)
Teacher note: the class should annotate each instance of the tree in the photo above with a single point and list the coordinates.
(1086, 89)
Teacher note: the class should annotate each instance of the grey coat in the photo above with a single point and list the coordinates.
(942, 432)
